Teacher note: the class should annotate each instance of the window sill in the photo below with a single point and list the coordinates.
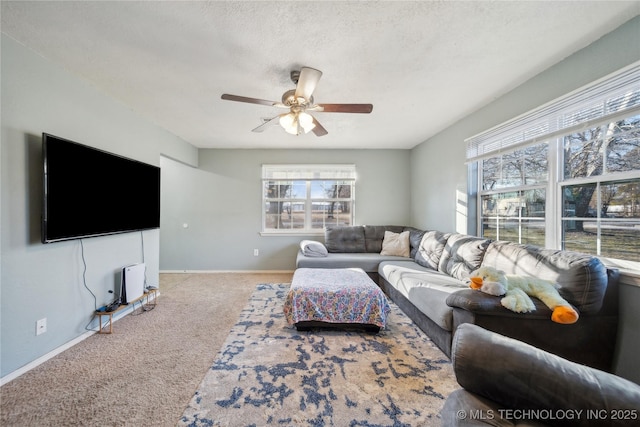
(629, 270)
(630, 277)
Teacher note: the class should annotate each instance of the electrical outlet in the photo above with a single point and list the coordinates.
(41, 326)
(256, 252)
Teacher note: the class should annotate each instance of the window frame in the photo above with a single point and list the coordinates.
(574, 113)
(606, 177)
(307, 173)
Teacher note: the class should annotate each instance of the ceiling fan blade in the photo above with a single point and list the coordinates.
(266, 124)
(346, 108)
(307, 82)
(318, 129)
(237, 98)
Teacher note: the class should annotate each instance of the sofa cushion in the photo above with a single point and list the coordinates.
(430, 249)
(344, 239)
(374, 235)
(462, 254)
(393, 271)
(425, 288)
(582, 278)
(367, 262)
(433, 303)
(396, 244)
(415, 237)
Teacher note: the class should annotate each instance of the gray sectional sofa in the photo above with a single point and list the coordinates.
(430, 286)
(357, 246)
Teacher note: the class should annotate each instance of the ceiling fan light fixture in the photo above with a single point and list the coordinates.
(296, 123)
(289, 123)
(306, 122)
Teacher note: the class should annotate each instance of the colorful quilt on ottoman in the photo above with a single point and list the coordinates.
(335, 296)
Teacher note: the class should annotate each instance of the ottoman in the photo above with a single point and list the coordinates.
(340, 297)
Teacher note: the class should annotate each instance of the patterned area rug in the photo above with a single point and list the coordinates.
(268, 373)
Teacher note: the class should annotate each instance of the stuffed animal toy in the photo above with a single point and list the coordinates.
(517, 291)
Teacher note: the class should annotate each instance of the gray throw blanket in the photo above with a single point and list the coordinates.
(311, 248)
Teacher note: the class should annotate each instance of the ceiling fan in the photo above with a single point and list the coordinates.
(299, 101)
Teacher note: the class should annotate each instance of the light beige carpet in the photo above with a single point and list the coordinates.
(147, 371)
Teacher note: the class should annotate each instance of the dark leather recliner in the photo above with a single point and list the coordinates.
(510, 383)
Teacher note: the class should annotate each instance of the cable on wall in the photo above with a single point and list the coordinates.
(84, 276)
(84, 282)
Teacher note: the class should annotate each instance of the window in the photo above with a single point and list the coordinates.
(306, 198)
(513, 196)
(566, 175)
(601, 190)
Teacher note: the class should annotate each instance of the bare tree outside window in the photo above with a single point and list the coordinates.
(516, 216)
(580, 188)
(600, 216)
(307, 205)
(584, 157)
(607, 216)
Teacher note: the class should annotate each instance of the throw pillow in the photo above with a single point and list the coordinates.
(415, 237)
(396, 244)
(431, 248)
(345, 239)
(462, 255)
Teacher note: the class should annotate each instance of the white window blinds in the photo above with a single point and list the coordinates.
(604, 100)
(309, 172)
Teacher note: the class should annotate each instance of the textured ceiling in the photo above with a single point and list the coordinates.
(423, 65)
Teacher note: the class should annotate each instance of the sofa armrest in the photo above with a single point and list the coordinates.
(518, 376)
(488, 305)
(590, 341)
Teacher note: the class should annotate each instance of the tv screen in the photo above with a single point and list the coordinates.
(89, 192)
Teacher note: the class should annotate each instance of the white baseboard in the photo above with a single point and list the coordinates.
(40, 360)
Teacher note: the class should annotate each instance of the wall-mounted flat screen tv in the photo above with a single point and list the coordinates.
(89, 192)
